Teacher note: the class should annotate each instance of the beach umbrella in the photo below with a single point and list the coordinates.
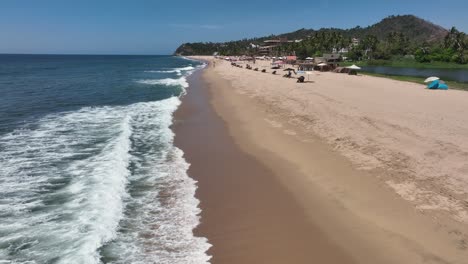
(309, 58)
(431, 79)
(437, 84)
(433, 85)
(354, 67)
(443, 86)
(322, 64)
(290, 69)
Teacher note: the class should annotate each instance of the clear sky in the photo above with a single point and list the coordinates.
(158, 27)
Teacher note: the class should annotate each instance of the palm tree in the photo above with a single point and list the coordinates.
(450, 37)
(457, 41)
(370, 43)
(460, 46)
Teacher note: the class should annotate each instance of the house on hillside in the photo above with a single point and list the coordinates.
(342, 50)
(270, 46)
(266, 50)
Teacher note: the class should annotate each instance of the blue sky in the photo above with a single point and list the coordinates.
(158, 27)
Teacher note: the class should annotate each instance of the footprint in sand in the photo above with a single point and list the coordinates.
(289, 132)
(273, 123)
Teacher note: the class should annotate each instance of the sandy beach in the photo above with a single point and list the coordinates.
(414, 139)
(376, 166)
(247, 214)
(234, 132)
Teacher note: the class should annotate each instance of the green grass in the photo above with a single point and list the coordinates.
(407, 63)
(420, 80)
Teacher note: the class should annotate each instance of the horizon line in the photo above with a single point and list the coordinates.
(84, 54)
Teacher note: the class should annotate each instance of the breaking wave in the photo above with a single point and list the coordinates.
(99, 185)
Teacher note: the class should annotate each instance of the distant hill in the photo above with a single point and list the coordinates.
(417, 30)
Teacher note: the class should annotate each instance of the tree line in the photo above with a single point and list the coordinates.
(453, 48)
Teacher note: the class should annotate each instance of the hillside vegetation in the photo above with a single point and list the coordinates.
(393, 37)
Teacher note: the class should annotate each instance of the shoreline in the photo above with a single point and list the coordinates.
(384, 227)
(247, 215)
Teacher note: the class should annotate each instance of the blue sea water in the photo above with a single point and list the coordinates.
(88, 169)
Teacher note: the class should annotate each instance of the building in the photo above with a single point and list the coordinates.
(342, 50)
(278, 42)
(331, 60)
(269, 49)
(266, 50)
(355, 42)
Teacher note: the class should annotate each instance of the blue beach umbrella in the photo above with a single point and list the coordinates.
(437, 85)
(443, 86)
(433, 84)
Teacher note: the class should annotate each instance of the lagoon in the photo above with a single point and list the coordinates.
(459, 75)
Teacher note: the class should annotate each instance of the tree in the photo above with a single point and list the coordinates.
(369, 44)
(397, 43)
(457, 41)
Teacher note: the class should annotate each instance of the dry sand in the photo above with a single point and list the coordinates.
(380, 166)
(417, 137)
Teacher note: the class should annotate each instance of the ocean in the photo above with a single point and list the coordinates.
(88, 169)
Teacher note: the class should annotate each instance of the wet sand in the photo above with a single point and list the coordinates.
(247, 215)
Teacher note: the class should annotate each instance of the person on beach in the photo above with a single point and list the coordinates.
(214, 64)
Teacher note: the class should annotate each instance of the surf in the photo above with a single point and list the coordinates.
(100, 184)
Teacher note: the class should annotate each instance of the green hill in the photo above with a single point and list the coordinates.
(415, 29)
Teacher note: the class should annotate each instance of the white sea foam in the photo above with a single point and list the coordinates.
(182, 82)
(189, 59)
(188, 68)
(63, 183)
(161, 228)
(203, 63)
(178, 71)
(97, 183)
